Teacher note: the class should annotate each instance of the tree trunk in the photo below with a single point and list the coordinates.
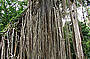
(77, 36)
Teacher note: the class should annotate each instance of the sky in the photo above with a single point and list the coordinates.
(79, 15)
(20, 0)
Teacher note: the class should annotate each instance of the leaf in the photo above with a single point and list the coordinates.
(1, 24)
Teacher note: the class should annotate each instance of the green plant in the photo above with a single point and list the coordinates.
(86, 41)
(10, 9)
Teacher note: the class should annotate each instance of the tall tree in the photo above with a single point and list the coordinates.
(76, 31)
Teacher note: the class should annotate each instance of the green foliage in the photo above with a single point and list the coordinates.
(89, 12)
(86, 41)
(10, 9)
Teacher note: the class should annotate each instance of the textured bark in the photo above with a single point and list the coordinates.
(12, 45)
(77, 36)
(38, 34)
(8, 44)
(2, 53)
(68, 49)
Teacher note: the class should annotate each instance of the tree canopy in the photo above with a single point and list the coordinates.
(10, 9)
